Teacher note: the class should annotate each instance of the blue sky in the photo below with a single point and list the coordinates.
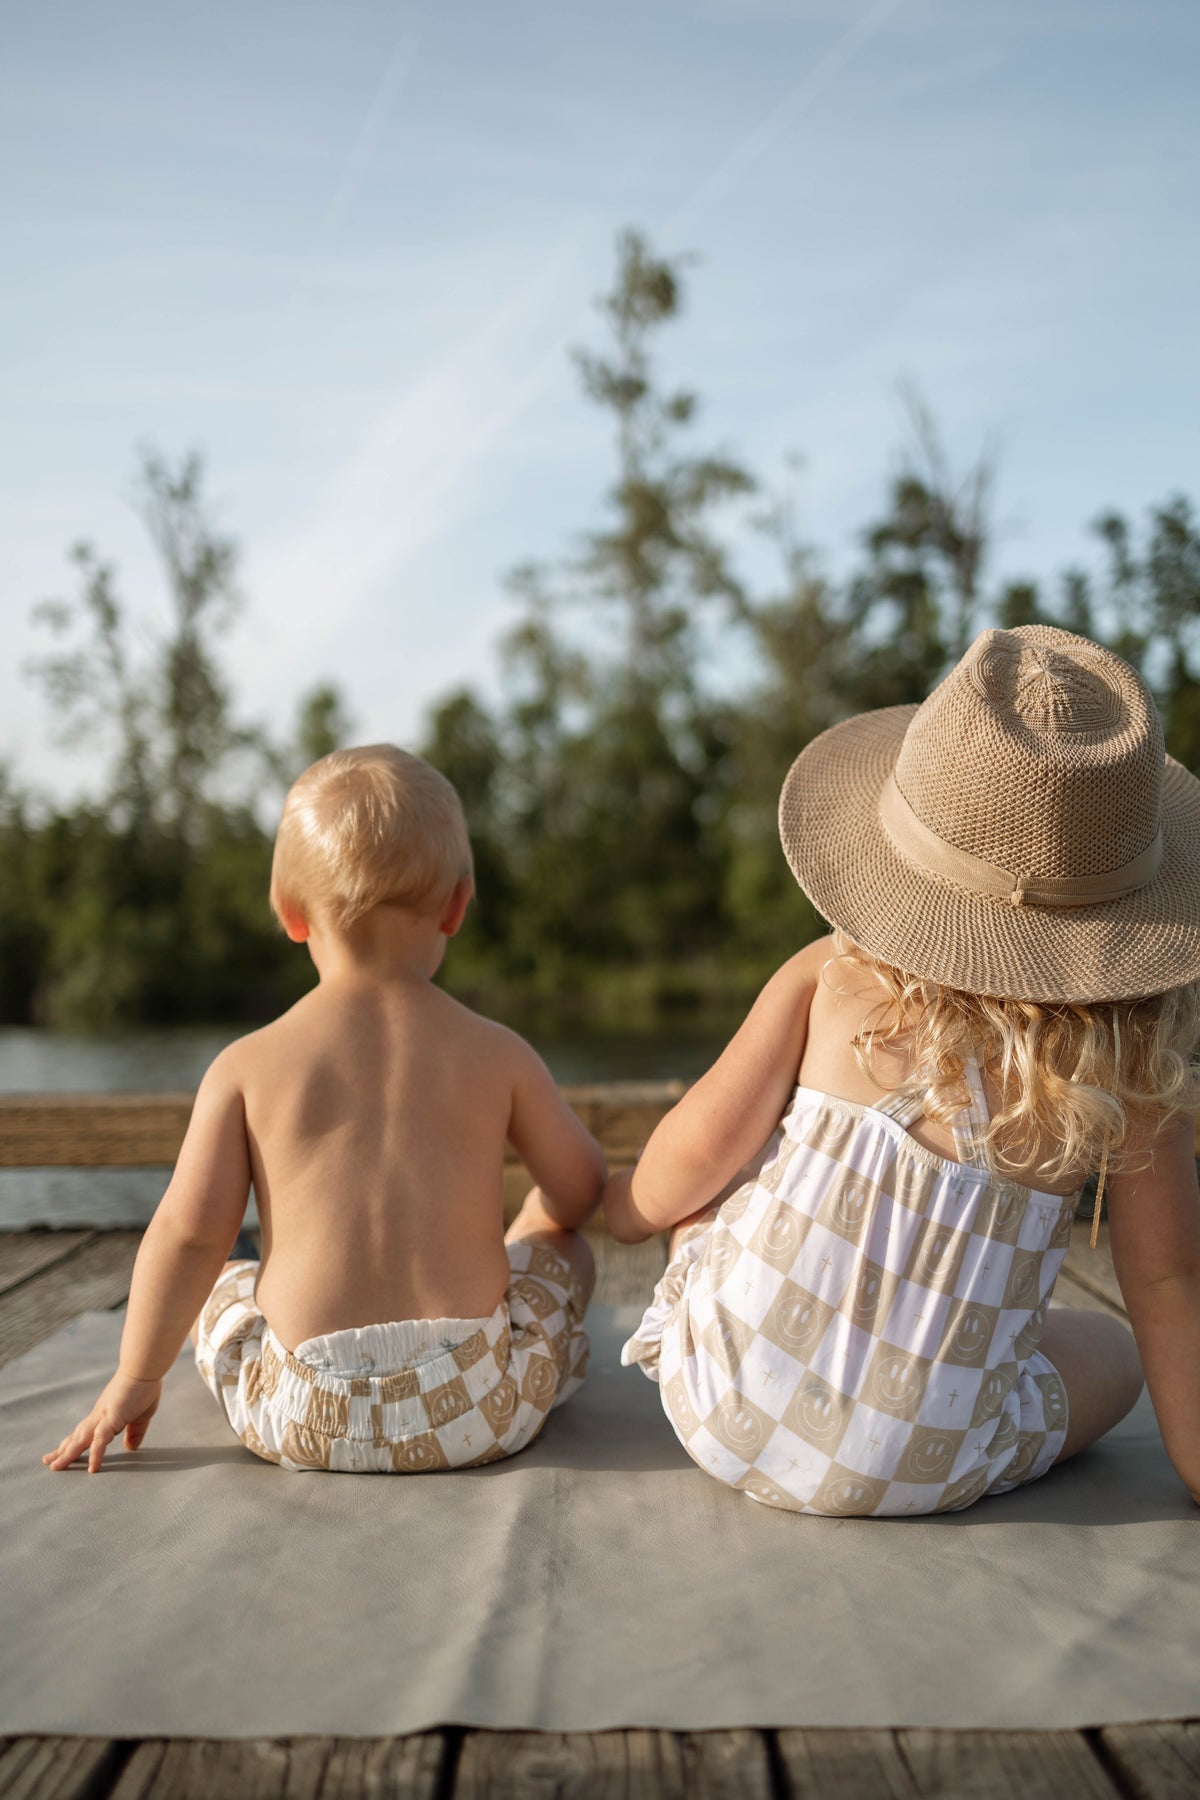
(344, 249)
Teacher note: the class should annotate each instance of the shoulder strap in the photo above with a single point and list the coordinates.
(902, 1105)
(970, 1123)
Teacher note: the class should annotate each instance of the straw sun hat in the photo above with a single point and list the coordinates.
(1019, 834)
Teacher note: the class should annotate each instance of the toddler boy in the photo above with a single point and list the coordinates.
(391, 1325)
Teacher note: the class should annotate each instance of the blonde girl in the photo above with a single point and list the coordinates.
(872, 1191)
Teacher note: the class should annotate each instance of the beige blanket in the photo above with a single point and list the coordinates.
(599, 1579)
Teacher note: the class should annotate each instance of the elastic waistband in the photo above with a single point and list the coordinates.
(385, 1349)
(412, 1359)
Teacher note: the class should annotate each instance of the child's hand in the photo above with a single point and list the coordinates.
(126, 1405)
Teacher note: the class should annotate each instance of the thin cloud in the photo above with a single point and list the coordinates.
(359, 159)
(733, 168)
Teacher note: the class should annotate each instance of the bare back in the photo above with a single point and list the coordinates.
(843, 1003)
(376, 1120)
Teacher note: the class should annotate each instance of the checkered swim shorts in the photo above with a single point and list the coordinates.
(854, 1330)
(400, 1398)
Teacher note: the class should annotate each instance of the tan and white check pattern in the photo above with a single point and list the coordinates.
(854, 1330)
(477, 1400)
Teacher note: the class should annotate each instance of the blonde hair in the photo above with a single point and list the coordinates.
(1092, 1079)
(367, 826)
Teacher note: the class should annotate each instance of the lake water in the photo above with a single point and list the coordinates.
(169, 1061)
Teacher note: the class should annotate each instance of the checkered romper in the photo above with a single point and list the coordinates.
(482, 1394)
(854, 1330)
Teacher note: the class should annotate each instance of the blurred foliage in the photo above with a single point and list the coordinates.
(621, 791)
(149, 905)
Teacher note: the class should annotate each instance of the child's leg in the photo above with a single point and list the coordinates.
(533, 1224)
(1098, 1363)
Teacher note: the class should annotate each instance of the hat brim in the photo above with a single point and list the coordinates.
(1143, 943)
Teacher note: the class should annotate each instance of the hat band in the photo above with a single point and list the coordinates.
(917, 844)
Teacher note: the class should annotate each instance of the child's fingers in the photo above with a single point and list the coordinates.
(102, 1437)
(136, 1429)
(73, 1445)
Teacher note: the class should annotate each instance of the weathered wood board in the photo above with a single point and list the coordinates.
(146, 1130)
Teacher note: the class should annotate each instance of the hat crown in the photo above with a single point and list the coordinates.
(1040, 752)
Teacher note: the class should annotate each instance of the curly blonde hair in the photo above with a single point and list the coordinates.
(1092, 1079)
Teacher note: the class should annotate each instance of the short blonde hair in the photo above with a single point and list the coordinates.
(367, 826)
(1084, 1078)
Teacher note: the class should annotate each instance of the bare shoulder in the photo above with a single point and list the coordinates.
(503, 1051)
(507, 1046)
(801, 975)
(843, 988)
(236, 1066)
(810, 963)
(226, 1073)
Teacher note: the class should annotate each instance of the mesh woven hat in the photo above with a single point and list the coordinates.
(1020, 834)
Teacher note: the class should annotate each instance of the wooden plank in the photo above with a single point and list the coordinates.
(1004, 1765)
(622, 1114)
(91, 1130)
(95, 1277)
(836, 1765)
(57, 1768)
(626, 1273)
(613, 1765)
(26, 1253)
(141, 1130)
(1155, 1762)
(726, 1765)
(93, 1271)
(399, 1768)
(1093, 1269)
(403, 1768)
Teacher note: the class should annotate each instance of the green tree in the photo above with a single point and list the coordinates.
(463, 741)
(322, 725)
(165, 716)
(153, 895)
(611, 741)
(1151, 602)
(805, 656)
(916, 605)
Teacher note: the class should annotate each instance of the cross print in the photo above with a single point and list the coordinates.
(1013, 1336)
(466, 1440)
(986, 1267)
(793, 1464)
(910, 1506)
(768, 1375)
(748, 1286)
(917, 1318)
(982, 1448)
(874, 1443)
(953, 1395)
(825, 1261)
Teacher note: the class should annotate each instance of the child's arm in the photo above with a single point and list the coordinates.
(180, 1257)
(566, 1162)
(1154, 1230)
(727, 1116)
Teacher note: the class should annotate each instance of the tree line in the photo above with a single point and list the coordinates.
(621, 791)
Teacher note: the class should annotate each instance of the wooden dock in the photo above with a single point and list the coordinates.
(47, 1277)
